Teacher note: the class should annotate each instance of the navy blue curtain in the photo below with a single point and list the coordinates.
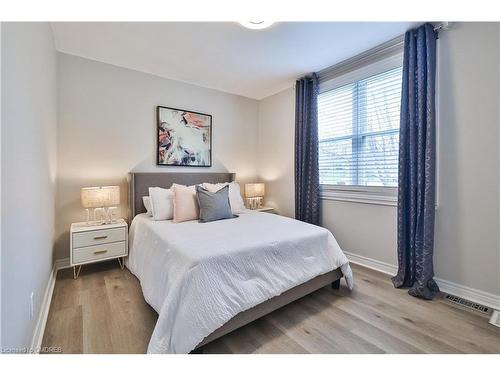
(417, 161)
(307, 200)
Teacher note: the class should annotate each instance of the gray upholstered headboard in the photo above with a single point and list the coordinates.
(140, 182)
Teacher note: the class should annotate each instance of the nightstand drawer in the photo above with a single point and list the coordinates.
(91, 253)
(97, 237)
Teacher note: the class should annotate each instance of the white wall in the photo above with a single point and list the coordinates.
(28, 159)
(276, 144)
(467, 221)
(107, 128)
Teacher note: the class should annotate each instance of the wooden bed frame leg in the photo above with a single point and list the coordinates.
(336, 284)
(197, 351)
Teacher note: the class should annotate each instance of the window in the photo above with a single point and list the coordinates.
(359, 131)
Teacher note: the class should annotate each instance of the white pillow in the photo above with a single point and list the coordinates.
(235, 199)
(147, 205)
(162, 205)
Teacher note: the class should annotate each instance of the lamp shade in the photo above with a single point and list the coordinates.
(91, 197)
(254, 190)
(105, 196)
(111, 195)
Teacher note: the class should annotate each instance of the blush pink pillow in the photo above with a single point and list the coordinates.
(185, 203)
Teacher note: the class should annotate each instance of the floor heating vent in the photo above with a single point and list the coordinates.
(466, 303)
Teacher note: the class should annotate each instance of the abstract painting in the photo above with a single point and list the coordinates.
(184, 138)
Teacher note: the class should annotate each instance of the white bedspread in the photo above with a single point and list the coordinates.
(197, 276)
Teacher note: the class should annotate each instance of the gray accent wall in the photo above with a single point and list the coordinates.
(107, 128)
(28, 173)
(467, 248)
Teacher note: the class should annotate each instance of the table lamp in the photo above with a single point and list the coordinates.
(106, 197)
(254, 193)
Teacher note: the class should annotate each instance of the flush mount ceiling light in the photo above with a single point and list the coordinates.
(256, 25)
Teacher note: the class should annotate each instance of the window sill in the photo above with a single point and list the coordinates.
(386, 196)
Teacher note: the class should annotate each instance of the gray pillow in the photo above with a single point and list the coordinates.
(213, 206)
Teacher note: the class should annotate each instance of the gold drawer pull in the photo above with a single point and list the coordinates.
(100, 237)
(100, 252)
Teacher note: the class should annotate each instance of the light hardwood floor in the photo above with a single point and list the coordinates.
(104, 312)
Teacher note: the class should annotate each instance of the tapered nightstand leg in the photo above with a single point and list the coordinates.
(75, 272)
(121, 262)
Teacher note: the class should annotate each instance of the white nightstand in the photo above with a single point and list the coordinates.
(96, 243)
(265, 209)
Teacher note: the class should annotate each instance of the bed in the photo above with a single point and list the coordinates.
(208, 279)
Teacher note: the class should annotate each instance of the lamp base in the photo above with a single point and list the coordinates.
(94, 222)
(106, 215)
(254, 203)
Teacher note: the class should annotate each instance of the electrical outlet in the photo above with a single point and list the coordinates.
(32, 295)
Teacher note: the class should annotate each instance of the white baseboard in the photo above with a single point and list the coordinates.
(36, 342)
(373, 264)
(62, 263)
(474, 295)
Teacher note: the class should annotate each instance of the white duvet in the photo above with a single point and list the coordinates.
(197, 276)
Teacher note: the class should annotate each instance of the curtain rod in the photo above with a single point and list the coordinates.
(442, 26)
(390, 48)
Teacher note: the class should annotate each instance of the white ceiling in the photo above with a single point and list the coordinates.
(224, 55)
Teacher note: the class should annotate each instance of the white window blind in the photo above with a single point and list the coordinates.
(359, 131)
